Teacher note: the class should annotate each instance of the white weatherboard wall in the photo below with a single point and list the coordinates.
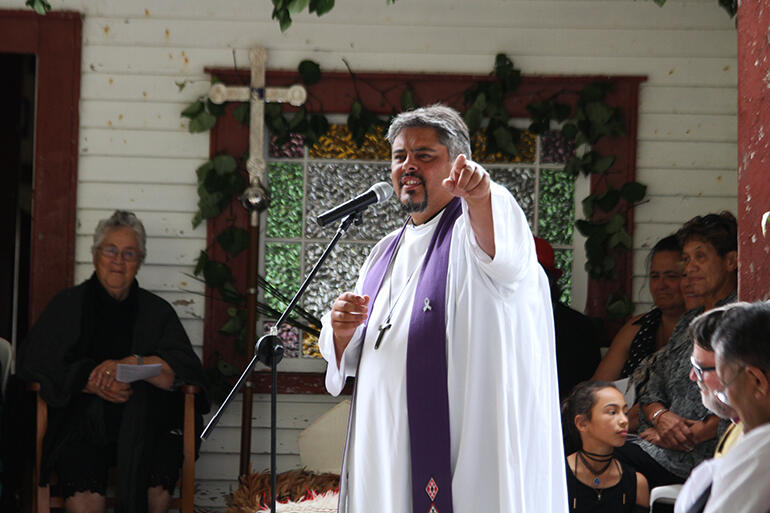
(135, 151)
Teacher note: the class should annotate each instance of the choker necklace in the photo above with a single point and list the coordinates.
(593, 456)
(605, 459)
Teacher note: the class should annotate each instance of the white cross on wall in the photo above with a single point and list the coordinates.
(257, 94)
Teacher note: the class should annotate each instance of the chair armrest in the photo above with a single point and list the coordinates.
(190, 389)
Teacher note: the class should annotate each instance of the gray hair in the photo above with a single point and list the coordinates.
(450, 128)
(743, 335)
(118, 219)
(702, 328)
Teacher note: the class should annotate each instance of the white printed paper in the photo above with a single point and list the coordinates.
(128, 373)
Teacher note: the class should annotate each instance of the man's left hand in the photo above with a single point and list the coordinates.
(467, 179)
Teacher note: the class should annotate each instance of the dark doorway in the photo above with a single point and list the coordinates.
(16, 177)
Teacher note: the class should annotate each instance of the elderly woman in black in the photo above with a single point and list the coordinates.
(95, 421)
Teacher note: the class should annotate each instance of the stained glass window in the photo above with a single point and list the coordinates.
(308, 181)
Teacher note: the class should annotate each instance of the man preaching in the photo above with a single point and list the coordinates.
(450, 336)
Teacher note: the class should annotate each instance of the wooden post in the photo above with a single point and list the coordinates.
(255, 199)
(753, 150)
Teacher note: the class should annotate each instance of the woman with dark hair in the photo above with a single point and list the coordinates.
(647, 333)
(96, 420)
(677, 431)
(594, 423)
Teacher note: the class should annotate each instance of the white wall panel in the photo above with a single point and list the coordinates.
(678, 209)
(137, 115)
(687, 155)
(692, 127)
(690, 182)
(138, 197)
(142, 143)
(692, 14)
(681, 71)
(695, 99)
(370, 37)
(156, 224)
(119, 169)
(144, 88)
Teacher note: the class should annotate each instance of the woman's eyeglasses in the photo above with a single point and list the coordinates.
(128, 254)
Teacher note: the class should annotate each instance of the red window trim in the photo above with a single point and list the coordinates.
(336, 91)
(56, 40)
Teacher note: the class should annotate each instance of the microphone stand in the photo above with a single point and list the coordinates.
(269, 350)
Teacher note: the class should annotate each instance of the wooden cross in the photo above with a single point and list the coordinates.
(257, 94)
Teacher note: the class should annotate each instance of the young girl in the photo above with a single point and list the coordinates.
(594, 423)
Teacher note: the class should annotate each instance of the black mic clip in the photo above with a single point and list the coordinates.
(269, 349)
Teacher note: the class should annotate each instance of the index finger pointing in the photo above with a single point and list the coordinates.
(457, 166)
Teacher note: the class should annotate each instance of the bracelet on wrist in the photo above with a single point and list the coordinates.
(657, 414)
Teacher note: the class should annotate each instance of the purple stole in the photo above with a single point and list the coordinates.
(426, 367)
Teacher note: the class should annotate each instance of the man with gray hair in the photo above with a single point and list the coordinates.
(703, 372)
(742, 356)
(449, 333)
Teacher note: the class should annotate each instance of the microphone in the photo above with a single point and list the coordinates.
(377, 193)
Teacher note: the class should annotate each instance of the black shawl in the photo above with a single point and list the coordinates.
(59, 355)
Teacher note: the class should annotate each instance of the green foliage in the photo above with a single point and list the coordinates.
(40, 6)
(242, 113)
(593, 118)
(506, 73)
(310, 126)
(633, 192)
(309, 72)
(361, 120)
(407, 99)
(203, 115)
(543, 112)
(235, 326)
(619, 306)
(218, 180)
(590, 163)
(486, 100)
(233, 240)
(284, 9)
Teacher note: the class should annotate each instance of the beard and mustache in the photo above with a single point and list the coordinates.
(410, 206)
(713, 404)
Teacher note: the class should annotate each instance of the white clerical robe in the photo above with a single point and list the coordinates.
(740, 477)
(506, 444)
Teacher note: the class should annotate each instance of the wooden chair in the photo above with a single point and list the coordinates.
(43, 501)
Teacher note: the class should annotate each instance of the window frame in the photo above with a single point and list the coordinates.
(337, 90)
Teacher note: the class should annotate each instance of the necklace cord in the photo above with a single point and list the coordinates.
(595, 472)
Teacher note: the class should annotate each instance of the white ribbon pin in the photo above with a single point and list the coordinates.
(427, 305)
